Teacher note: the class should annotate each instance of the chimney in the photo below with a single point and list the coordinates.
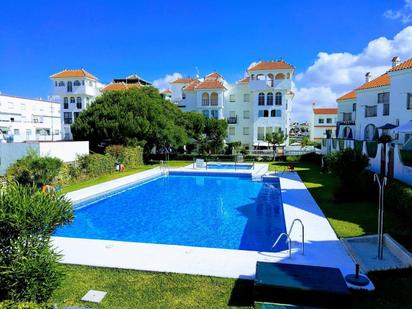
(368, 76)
(395, 61)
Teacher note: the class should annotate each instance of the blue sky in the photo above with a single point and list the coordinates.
(155, 38)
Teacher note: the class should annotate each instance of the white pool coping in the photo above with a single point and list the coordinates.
(322, 247)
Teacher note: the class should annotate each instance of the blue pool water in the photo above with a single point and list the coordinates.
(219, 166)
(205, 211)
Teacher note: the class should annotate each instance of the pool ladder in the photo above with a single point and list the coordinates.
(164, 170)
(289, 241)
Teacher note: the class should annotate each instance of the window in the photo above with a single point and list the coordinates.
(260, 113)
(61, 84)
(65, 105)
(232, 114)
(11, 119)
(270, 80)
(276, 113)
(269, 98)
(371, 133)
(16, 132)
(278, 98)
(76, 114)
(354, 107)
(83, 82)
(67, 118)
(28, 133)
(246, 131)
(246, 97)
(409, 101)
(76, 83)
(56, 132)
(246, 114)
(55, 84)
(214, 99)
(183, 95)
(66, 100)
(69, 86)
(280, 76)
(79, 103)
(265, 113)
(385, 109)
(371, 111)
(347, 116)
(214, 113)
(321, 120)
(328, 120)
(232, 98)
(383, 97)
(72, 100)
(206, 113)
(205, 99)
(261, 99)
(232, 131)
(269, 130)
(260, 133)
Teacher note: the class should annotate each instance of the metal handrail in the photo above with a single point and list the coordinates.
(289, 240)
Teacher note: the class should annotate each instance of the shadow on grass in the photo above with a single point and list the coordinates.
(241, 294)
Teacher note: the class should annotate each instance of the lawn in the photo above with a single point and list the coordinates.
(137, 289)
(107, 177)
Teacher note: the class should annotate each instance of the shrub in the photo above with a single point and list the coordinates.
(131, 157)
(28, 265)
(36, 170)
(349, 166)
(311, 157)
(24, 305)
(406, 157)
(398, 196)
(96, 164)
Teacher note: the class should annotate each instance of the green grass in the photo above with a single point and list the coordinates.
(137, 289)
(108, 177)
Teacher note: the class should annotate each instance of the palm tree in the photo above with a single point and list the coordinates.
(276, 138)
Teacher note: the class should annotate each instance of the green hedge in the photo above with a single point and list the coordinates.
(372, 148)
(96, 164)
(131, 157)
(14, 305)
(406, 157)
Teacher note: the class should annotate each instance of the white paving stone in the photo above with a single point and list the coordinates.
(94, 296)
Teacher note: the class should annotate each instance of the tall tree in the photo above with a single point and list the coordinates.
(215, 130)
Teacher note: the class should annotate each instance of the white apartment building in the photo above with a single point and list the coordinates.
(23, 119)
(255, 106)
(382, 104)
(323, 123)
(74, 90)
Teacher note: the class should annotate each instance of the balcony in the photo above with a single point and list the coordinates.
(346, 123)
(266, 85)
(232, 120)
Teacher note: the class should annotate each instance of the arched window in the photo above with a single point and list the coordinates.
(280, 76)
(79, 103)
(72, 100)
(205, 99)
(261, 99)
(371, 133)
(269, 98)
(270, 80)
(273, 113)
(76, 83)
(347, 132)
(278, 98)
(214, 99)
(61, 83)
(66, 100)
(265, 113)
(69, 86)
(252, 77)
(260, 77)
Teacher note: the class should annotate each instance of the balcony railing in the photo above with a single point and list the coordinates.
(232, 120)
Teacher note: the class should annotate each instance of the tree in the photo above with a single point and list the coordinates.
(276, 138)
(215, 131)
(131, 117)
(29, 268)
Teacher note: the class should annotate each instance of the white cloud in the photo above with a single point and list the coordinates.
(404, 14)
(333, 74)
(164, 82)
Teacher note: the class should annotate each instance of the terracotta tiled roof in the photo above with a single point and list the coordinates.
(182, 80)
(73, 73)
(383, 80)
(192, 85)
(402, 66)
(244, 80)
(271, 65)
(120, 86)
(347, 96)
(213, 75)
(210, 84)
(168, 91)
(325, 111)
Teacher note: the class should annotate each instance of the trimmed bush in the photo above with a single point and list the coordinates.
(131, 157)
(34, 170)
(28, 265)
(96, 164)
(398, 196)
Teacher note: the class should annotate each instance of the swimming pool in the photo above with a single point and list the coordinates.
(193, 210)
(229, 166)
